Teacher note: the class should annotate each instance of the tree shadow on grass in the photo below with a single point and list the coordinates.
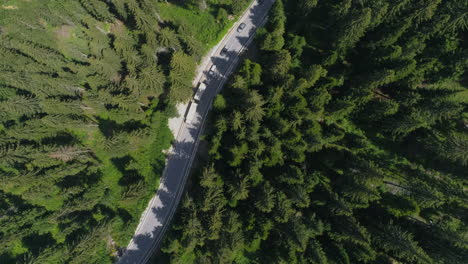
(130, 176)
(36, 242)
(124, 215)
(109, 127)
(80, 179)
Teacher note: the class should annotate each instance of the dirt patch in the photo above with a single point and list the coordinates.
(64, 32)
(11, 7)
(42, 22)
(117, 27)
(116, 78)
(112, 246)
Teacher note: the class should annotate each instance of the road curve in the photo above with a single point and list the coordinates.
(157, 216)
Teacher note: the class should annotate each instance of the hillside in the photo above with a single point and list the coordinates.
(86, 88)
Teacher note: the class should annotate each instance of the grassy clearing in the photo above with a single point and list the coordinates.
(201, 24)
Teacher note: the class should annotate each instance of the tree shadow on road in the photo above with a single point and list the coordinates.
(168, 197)
(177, 167)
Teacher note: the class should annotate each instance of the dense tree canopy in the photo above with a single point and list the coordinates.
(343, 141)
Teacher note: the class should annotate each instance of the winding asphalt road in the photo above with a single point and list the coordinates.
(157, 216)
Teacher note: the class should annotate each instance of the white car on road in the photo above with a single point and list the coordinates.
(212, 71)
(241, 27)
(224, 50)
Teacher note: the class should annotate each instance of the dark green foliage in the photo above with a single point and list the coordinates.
(271, 37)
(222, 16)
(344, 142)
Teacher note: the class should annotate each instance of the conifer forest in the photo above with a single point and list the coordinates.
(341, 137)
(344, 140)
